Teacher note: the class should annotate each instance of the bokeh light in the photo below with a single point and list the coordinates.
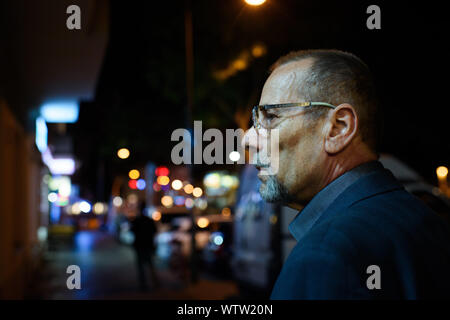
(163, 180)
(156, 215)
(177, 184)
(188, 188)
(117, 201)
(203, 222)
(167, 201)
(234, 156)
(140, 184)
(123, 153)
(162, 171)
(189, 203)
(132, 184)
(226, 212)
(85, 206)
(52, 197)
(255, 2)
(197, 192)
(134, 174)
(442, 172)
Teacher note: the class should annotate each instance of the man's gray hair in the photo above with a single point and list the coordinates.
(338, 77)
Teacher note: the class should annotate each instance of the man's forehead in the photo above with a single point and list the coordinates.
(283, 83)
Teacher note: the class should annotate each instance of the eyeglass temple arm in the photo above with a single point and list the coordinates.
(302, 104)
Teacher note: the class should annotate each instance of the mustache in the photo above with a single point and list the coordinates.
(262, 165)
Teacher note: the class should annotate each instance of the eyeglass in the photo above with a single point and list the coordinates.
(263, 121)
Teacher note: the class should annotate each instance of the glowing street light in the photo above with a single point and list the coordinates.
(442, 172)
(255, 2)
(123, 153)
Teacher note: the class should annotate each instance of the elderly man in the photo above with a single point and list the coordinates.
(360, 234)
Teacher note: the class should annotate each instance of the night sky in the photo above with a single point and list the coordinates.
(141, 92)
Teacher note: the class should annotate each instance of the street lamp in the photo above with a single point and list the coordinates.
(255, 2)
(442, 173)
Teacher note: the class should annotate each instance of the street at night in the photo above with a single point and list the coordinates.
(226, 151)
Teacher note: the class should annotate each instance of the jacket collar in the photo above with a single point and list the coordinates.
(357, 184)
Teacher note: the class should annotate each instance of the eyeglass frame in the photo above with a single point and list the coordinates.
(265, 107)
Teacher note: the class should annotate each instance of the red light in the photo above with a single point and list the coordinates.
(132, 184)
(156, 187)
(162, 171)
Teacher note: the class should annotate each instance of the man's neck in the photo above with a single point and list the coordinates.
(335, 166)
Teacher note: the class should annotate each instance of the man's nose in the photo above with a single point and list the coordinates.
(250, 141)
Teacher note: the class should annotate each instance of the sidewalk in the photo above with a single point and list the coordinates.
(108, 271)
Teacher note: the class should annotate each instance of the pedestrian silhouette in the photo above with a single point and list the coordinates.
(144, 230)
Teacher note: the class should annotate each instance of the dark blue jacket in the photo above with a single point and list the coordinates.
(372, 222)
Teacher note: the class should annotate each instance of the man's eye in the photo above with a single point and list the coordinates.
(270, 116)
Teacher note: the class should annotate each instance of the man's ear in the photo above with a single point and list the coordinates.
(343, 125)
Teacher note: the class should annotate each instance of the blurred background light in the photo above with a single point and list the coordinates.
(442, 172)
(132, 198)
(75, 208)
(123, 153)
(179, 200)
(255, 2)
(117, 201)
(52, 197)
(156, 187)
(162, 171)
(203, 222)
(188, 188)
(177, 184)
(226, 212)
(64, 186)
(59, 166)
(212, 180)
(85, 206)
(167, 201)
(156, 215)
(132, 184)
(217, 238)
(163, 180)
(134, 174)
(189, 203)
(197, 192)
(140, 184)
(99, 208)
(200, 203)
(60, 112)
(41, 134)
(234, 156)
(226, 181)
(258, 50)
